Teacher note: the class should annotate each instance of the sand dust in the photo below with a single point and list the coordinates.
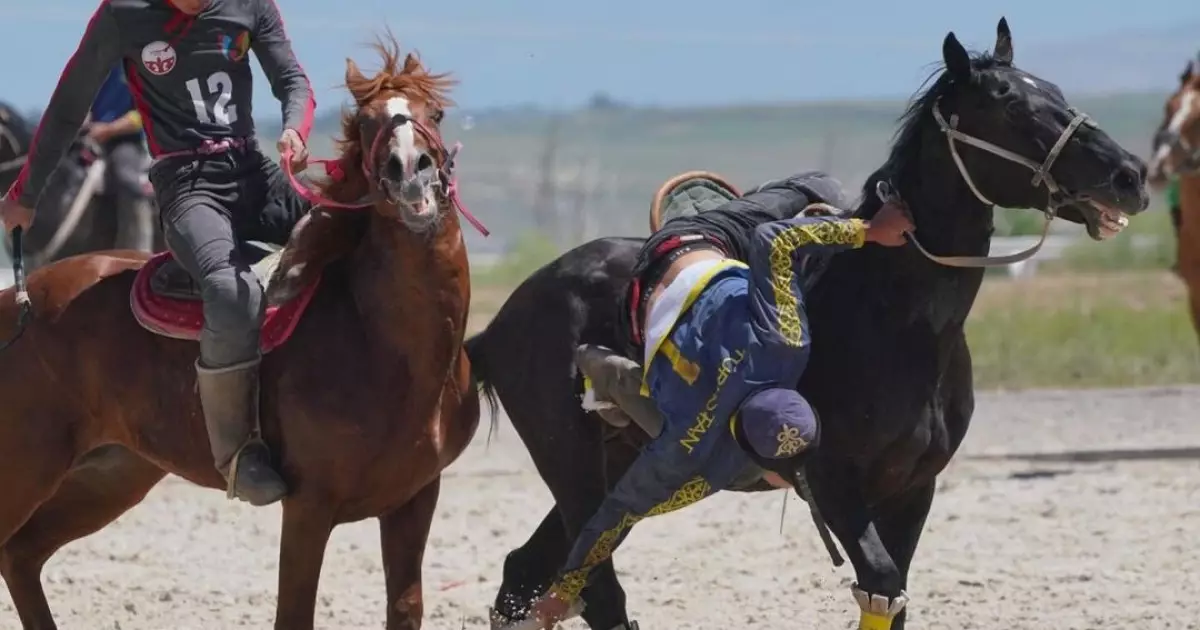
(1008, 544)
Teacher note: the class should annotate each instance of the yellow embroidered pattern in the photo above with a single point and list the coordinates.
(571, 584)
(784, 246)
(790, 442)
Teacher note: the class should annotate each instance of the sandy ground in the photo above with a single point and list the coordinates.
(1010, 544)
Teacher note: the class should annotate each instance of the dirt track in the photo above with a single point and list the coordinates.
(1010, 544)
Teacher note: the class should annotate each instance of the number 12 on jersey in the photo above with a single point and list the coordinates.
(218, 111)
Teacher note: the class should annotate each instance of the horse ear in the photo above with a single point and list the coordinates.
(1003, 52)
(958, 62)
(353, 74)
(354, 79)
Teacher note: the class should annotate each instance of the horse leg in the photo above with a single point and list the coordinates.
(403, 534)
(33, 464)
(578, 494)
(108, 482)
(530, 568)
(304, 536)
(900, 529)
(879, 589)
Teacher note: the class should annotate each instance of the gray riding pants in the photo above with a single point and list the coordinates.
(207, 206)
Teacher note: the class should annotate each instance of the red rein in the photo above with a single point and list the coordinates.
(333, 169)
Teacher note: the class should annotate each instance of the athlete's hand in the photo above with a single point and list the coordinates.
(14, 215)
(550, 609)
(290, 142)
(889, 225)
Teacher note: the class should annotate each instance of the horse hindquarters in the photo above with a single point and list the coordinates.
(525, 357)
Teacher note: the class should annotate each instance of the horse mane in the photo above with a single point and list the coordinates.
(403, 75)
(906, 141)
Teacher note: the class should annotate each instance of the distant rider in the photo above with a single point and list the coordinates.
(116, 126)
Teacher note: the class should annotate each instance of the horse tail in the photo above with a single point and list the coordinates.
(479, 371)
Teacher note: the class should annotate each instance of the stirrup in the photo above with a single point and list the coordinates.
(231, 478)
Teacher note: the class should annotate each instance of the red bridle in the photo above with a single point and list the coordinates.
(333, 169)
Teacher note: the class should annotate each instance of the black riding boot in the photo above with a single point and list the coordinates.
(229, 398)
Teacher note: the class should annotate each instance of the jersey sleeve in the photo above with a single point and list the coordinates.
(99, 50)
(777, 251)
(659, 481)
(289, 84)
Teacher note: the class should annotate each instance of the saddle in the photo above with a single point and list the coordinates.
(690, 193)
(167, 302)
(172, 281)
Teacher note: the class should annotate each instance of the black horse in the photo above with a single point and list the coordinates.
(56, 234)
(890, 371)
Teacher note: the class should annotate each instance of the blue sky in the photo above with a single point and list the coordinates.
(558, 53)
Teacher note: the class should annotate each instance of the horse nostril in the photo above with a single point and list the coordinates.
(395, 168)
(1129, 178)
(424, 162)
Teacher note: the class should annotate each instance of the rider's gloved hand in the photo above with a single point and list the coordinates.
(291, 143)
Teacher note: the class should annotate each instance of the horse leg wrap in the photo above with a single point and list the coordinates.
(229, 397)
(613, 389)
(877, 611)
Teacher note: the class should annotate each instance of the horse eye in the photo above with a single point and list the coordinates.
(438, 115)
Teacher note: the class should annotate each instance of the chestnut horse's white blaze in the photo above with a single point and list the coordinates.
(415, 192)
(1187, 105)
(404, 137)
(1187, 108)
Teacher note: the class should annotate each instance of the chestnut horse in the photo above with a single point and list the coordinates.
(366, 390)
(1177, 154)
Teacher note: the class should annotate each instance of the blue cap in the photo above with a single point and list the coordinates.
(778, 423)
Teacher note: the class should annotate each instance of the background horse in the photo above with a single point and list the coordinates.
(58, 232)
(369, 399)
(79, 215)
(1177, 154)
(890, 371)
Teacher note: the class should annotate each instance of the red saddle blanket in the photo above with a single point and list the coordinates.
(166, 301)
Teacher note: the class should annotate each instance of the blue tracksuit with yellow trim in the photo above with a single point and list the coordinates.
(743, 329)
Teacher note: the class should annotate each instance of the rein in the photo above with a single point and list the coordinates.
(24, 305)
(447, 182)
(1041, 175)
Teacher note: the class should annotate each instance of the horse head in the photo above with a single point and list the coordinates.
(392, 144)
(1176, 148)
(1016, 143)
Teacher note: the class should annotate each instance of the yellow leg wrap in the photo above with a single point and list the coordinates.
(871, 621)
